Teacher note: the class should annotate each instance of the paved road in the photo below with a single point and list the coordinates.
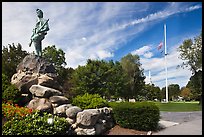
(190, 123)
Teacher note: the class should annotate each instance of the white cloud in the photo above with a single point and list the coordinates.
(104, 54)
(193, 8)
(148, 54)
(155, 64)
(84, 39)
(141, 50)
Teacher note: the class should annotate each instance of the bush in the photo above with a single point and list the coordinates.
(35, 124)
(88, 101)
(5, 81)
(140, 115)
(10, 92)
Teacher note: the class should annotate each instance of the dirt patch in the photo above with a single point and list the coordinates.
(117, 130)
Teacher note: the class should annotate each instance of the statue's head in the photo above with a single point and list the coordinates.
(39, 13)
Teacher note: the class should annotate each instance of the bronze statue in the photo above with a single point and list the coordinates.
(39, 32)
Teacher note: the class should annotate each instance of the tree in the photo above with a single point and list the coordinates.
(99, 77)
(121, 85)
(5, 82)
(57, 58)
(151, 92)
(132, 67)
(163, 93)
(191, 52)
(186, 93)
(174, 91)
(195, 85)
(68, 84)
(11, 57)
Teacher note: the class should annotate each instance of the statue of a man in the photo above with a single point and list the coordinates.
(39, 32)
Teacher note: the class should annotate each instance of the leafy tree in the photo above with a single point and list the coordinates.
(186, 93)
(163, 93)
(132, 67)
(174, 91)
(151, 92)
(122, 81)
(99, 77)
(191, 52)
(57, 58)
(68, 84)
(63, 74)
(195, 85)
(5, 81)
(11, 57)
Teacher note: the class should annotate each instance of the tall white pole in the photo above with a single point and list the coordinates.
(165, 62)
(150, 82)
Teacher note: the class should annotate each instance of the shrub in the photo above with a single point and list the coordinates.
(35, 124)
(9, 111)
(88, 101)
(5, 81)
(10, 92)
(140, 115)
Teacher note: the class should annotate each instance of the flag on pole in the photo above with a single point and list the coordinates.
(160, 45)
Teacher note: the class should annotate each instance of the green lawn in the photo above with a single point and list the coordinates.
(179, 106)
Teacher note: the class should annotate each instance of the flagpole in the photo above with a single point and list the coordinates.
(165, 62)
(150, 82)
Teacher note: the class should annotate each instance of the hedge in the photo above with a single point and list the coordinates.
(142, 116)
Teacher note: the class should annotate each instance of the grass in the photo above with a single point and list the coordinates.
(179, 106)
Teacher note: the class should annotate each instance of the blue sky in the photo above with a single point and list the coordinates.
(110, 30)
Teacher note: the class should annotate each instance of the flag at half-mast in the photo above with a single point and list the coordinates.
(160, 45)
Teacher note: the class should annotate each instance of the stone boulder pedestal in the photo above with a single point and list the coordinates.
(44, 92)
(35, 64)
(41, 104)
(23, 81)
(88, 117)
(34, 70)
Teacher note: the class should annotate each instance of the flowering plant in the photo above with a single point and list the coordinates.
(10, 110)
